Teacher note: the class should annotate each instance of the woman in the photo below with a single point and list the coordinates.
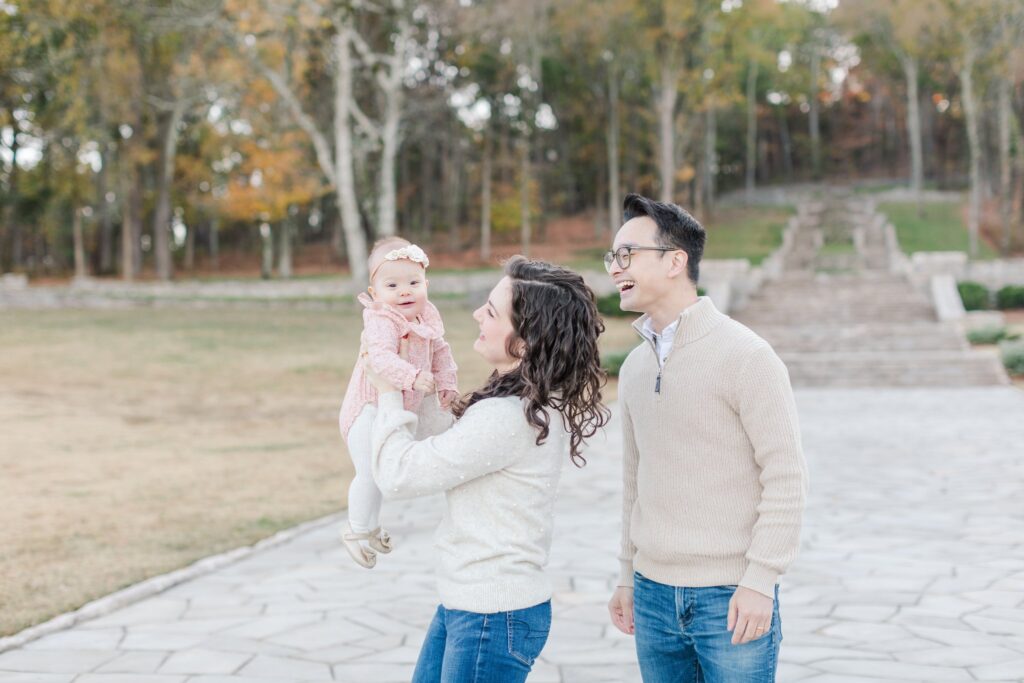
(498, 466)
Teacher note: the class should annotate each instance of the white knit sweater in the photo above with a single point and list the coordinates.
(499, 487)
(714, 474)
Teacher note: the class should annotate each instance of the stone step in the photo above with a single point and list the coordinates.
(863, 337)
(895, 369)
(754, 317)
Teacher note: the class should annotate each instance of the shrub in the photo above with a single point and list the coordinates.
(612, 362)
(1013, 356)
(1010, 296)
(608, 305)
(992, 334)
(974, 295)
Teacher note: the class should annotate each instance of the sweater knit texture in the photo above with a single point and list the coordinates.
(714, 478)
(499, 487)
(383, 329)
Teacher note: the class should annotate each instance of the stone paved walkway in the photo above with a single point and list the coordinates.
(912, 570)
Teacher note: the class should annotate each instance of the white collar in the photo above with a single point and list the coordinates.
(669, 331)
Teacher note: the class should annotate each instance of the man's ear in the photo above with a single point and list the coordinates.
(680, 259)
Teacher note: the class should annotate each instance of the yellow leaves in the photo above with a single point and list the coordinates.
(271, 179)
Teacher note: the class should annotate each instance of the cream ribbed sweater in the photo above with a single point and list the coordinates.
(499, 489)
(714, 478)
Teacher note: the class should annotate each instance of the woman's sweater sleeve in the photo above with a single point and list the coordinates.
(490, 435)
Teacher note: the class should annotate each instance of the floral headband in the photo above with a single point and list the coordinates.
(409, 251)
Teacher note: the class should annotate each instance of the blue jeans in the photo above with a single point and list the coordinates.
(467, 647)
(681, 637)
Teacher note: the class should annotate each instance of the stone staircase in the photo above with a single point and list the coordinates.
(839, 317)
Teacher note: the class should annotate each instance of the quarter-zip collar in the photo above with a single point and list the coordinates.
(695, 321)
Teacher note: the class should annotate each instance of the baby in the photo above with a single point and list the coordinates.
(397, 318)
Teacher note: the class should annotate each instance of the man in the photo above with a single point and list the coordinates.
(714, 479)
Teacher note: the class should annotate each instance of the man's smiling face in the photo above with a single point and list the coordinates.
(646, 279)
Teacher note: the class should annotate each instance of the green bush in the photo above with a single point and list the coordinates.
(612, 362)
(975, 295)
(1013, 356)
(1010, 296)
(608, 305)
(990, 335)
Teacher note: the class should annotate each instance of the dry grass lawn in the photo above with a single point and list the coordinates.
(137, 441)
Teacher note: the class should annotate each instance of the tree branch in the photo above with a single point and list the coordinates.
(304, 121)
(365, 124)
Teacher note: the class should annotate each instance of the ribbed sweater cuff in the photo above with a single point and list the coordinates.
(626, 573)
(760, 578)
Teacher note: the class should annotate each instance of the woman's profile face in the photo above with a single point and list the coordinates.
(495, 320)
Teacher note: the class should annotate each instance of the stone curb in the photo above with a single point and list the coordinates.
(158, 584)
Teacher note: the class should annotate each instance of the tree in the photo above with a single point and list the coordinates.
(907, 29)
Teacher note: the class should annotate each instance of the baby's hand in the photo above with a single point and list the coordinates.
(424, 382)
(446, 397)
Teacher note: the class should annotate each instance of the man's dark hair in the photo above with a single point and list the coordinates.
(676, 228)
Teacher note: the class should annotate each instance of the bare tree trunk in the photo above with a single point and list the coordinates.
(284, 259)
(11, 209)
(106, 220)
(667, 94)
(1018, 194)
(1005, 169)
(751, 126)
(614, 185)
(485, 196)
(524, 196)
(190, 248)
(914, 130)
(344, 171)
(971, 115)
(710, 157)
(813, 120)
(426, 189)
(787, 145)
(391, 86)
(213, 246)
(129, 242)
(267, 251)
(137, 195)
(162, 214)
(81, 270)
(453, 164)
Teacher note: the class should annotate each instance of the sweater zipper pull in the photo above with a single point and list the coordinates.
(657, 383)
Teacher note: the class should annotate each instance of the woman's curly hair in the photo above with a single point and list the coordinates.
(555, 326)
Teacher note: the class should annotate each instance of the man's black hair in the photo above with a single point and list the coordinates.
(676, 228)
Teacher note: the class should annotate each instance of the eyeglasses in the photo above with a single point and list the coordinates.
(623, 255)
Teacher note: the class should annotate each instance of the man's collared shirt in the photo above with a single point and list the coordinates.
(662, 342)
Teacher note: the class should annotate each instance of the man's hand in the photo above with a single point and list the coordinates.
(424, 382)
(750, 615)
(620, 607)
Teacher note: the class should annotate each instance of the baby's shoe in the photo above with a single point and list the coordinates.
(364, 557)
(380, 541)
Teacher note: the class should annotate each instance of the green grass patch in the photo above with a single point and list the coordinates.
(941, 228)
(837, 249)
(751, 233)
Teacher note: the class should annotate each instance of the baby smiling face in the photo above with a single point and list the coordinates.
(402, 284)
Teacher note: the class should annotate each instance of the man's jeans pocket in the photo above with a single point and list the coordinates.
(528, 631)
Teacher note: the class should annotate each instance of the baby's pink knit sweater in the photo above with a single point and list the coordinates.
(383, 329)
